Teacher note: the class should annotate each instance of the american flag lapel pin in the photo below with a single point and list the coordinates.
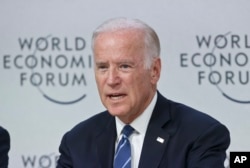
(159, 139)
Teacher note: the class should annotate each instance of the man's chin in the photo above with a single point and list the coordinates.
(117, 112)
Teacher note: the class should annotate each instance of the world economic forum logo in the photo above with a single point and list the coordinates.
(222, 60)
(57, 66)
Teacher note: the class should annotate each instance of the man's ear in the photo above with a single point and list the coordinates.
(156, 70)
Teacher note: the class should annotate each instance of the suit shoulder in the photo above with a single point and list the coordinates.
(191, 114)
(91, 125)
(187, 120)
(4, 133)
(184, 114)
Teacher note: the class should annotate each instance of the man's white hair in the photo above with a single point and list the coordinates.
(151, 40)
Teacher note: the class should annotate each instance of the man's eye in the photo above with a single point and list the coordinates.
(124, 66)
(102, 67)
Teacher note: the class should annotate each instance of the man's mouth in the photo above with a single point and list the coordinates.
(116, 96)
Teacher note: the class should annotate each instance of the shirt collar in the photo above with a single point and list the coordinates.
(141, 122)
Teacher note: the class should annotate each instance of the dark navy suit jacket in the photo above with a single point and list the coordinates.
(4, 147)
(191, 140)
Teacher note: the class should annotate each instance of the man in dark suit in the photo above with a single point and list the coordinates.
(166, 133)
(4, 147)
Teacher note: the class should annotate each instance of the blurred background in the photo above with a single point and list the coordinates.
(46, 66)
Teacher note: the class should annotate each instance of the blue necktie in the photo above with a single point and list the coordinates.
(123, 152)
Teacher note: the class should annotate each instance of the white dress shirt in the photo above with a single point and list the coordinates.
(140, 125)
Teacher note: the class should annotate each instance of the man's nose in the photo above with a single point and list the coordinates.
(113, 77)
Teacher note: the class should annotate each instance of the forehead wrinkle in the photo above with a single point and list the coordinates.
(123, 43)
(124, 37)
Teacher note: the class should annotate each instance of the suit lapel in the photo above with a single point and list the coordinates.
(157, 136)
(105, 141)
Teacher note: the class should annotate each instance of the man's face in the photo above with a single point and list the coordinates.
(125, 86)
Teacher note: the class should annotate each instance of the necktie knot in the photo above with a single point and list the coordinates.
(127, 130)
